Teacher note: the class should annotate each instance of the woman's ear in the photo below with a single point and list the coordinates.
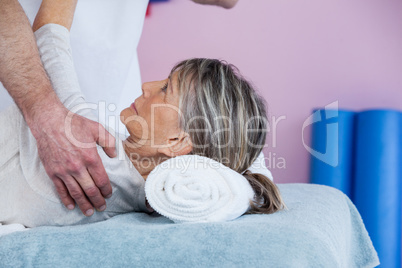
(179, 145)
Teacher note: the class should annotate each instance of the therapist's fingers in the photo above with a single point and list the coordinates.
(106, 141)
(78, 195)
(97, 172)
(95, 166)
(63, 193)
(92, 192)
(100, 179)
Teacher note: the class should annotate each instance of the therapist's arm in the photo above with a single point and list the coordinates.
(77, 173)
(221, 3)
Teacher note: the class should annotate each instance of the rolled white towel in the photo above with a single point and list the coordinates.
(193, 188)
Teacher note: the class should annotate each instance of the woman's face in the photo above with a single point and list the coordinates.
(153, 118)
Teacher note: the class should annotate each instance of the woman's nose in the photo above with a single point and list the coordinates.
(147, 89)
(150, 88)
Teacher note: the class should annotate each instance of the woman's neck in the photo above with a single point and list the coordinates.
(143, 160)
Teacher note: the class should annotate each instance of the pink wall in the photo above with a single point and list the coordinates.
(300, 54)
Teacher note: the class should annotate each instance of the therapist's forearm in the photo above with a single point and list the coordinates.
(59, 12)
(221, 3)
(21, 70)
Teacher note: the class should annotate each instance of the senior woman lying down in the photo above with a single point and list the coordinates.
(204, 107)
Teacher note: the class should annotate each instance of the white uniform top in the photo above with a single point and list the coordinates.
(104, 37)
(27, 195)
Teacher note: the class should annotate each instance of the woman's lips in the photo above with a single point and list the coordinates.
(133, 106)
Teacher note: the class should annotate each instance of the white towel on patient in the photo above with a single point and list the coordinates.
(259, 166)
(193, 188)
(11, 228)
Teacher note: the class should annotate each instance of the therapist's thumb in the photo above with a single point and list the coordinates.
(106, 141)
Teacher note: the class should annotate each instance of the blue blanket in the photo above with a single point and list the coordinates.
(322, 228)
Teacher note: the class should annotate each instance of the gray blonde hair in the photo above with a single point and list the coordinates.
(226, 121)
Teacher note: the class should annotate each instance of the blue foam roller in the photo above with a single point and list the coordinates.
(377, 188)
(332, 136)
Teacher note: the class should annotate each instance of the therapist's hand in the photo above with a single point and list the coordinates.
(77, 172)
(221, 3)
(69, 155)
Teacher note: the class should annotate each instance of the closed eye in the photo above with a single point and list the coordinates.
(164, 88)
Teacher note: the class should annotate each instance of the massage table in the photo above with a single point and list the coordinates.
(321, 228)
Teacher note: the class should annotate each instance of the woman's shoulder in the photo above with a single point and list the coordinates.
(127, 183)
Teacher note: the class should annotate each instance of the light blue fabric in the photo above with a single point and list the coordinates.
(322, 228)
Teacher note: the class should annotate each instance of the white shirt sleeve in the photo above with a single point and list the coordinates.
(53, 42)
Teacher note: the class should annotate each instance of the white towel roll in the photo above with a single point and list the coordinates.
(193, 188)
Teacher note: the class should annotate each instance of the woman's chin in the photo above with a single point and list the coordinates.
(126, 113)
